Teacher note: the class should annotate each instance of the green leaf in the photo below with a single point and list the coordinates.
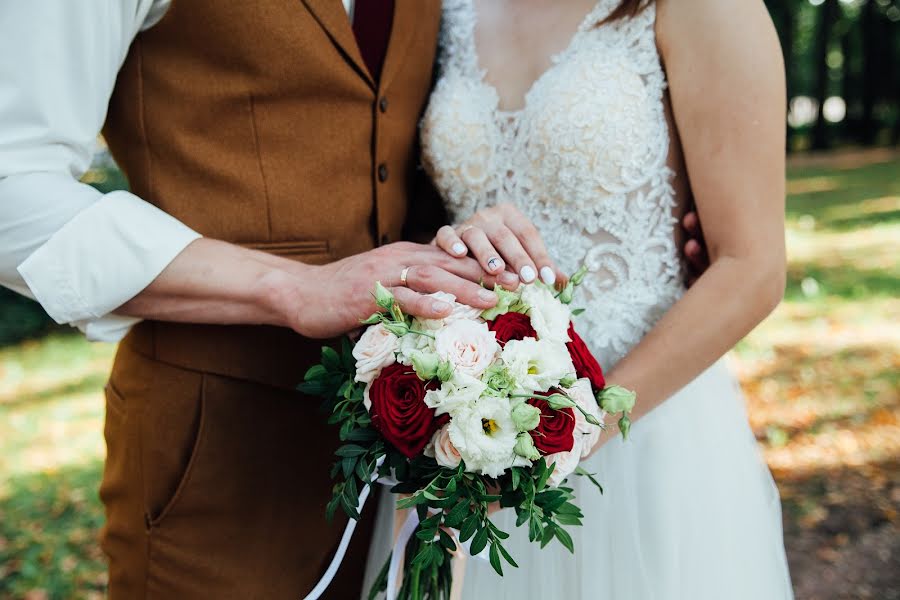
(495, 559)
(446, 540)
(546, 536)
(507, 556)
(330, 359)
(566, 519)
(457, 514)
(350, 450)
(577, 311)
(469, 527)
(515, 475)
(564, 538)
(581, 471)
(479, 541)
(315, 372)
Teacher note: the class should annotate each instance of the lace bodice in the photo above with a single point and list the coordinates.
(585, 159)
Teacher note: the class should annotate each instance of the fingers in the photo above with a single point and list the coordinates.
(691, 224)
(448, 241)
(488, 257)
(533, 244)
(419, 305)
(696, 255)
(427, 279)
(511, 249)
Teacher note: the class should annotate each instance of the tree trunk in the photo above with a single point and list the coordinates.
(868, 128)
(828, 13)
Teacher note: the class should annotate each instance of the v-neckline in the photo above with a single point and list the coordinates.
(482, 73)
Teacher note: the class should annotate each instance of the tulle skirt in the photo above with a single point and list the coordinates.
(689, 512)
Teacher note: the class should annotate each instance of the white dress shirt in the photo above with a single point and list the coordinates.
(78, 252)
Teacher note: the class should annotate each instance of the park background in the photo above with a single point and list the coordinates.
(820, 375)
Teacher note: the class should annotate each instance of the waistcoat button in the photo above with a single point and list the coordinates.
(383, 104)
(385, 239)
(382, 172)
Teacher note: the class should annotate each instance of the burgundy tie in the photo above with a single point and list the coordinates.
(372, 25)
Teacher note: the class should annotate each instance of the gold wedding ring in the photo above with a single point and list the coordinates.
(464, 229)
(403, 275)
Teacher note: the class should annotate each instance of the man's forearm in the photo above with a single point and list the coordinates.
(216, 282)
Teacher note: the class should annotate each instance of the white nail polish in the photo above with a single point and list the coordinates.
(548, 276)
(527, 274)
(494, 264)
(459, 248)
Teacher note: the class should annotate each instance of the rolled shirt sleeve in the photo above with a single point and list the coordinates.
(78, 252)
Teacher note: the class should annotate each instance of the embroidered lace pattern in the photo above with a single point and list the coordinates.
(584, 158)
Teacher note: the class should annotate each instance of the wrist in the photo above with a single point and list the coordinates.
(282, 293)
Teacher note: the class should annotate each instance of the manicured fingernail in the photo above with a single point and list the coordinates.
(439, 306)
(487, 295)
(548, 276)
(527, 274)
(509, 278)
(494, 264)
(459, 248)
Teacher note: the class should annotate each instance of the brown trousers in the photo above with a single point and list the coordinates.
(216, 487)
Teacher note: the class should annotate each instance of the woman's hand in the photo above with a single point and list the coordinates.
(504, 242)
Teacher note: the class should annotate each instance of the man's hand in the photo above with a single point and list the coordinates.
(504, 242)
(216, 282)
(694, 247)
(322, 302)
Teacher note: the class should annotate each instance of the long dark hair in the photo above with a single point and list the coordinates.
(627, 9)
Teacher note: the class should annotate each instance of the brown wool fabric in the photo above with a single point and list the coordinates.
(256, 123)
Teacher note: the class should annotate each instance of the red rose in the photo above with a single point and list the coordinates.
(585, 363)
(556, 431)
(399, 411)
(512, 326)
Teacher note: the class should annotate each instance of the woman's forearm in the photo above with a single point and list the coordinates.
(728, 301)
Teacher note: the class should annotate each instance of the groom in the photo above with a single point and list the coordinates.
(270, 149)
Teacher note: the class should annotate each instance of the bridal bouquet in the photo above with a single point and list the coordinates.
(481, 407)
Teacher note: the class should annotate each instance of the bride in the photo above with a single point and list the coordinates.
(602, 122)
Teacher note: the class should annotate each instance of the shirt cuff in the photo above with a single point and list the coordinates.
(102, 258)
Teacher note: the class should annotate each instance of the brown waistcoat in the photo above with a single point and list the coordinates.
(258, 123)
(254, 122)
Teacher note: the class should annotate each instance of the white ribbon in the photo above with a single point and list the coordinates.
(338, 557)
(403, 537)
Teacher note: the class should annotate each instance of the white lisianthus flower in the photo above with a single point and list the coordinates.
(442, 449)
(565, 464)
(583, 396)
(467, 345)
(374, 351)
(549, 317)
(460, 393)
(536, 365)
(485, 436)
(460, 312)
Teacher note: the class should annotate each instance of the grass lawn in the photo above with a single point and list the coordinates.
(821, 377)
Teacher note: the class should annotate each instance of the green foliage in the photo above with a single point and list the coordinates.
(48, 529)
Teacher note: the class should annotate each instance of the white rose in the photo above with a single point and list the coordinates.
(367, 401)
(461, 392)
(485, 436)
(536, 365)
(549, 317)
(442, 449)
(565, 464)
(583, 395)
(374, 351)
(468, 345)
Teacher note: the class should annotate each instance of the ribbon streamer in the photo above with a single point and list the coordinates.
(403, 536)
(338, 557)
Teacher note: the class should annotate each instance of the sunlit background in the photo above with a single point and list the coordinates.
(821, 375)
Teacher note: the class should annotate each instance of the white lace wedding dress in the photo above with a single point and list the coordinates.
(689, 511)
